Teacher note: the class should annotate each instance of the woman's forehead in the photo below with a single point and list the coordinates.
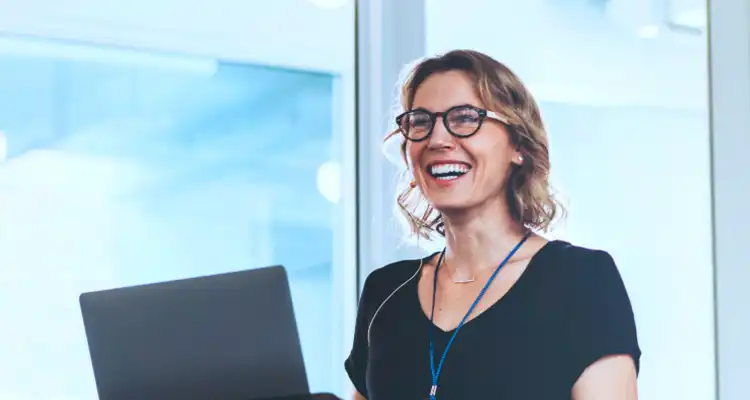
(444, 90)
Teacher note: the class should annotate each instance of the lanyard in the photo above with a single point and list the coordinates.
(436, 371)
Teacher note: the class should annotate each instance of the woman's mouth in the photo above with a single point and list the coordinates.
(448, 172)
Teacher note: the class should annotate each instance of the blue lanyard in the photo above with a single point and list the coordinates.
(436, 371)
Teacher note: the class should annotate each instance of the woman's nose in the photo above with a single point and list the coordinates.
(440, 137)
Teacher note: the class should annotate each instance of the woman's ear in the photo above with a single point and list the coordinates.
(517, 158)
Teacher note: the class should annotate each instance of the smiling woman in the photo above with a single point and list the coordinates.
(522, 143)
(500, 312)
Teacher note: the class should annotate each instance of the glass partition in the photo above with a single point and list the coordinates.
(127, 167)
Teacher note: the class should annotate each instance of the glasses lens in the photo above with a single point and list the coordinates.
(464, 121)
(416, 125)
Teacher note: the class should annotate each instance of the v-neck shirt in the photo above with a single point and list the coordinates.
(568, 309)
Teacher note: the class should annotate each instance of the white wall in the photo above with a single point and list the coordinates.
(570, 52)
(590, 64)
(292, 33)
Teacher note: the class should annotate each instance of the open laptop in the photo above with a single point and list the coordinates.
(231, 336)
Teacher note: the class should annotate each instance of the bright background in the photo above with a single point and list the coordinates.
(147, 141)
(623, 90)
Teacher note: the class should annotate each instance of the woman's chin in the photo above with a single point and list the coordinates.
(448, 204)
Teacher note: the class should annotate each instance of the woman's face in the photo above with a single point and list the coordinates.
(459, 173)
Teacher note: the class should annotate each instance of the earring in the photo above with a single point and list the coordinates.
(520, 159)
(413, 184)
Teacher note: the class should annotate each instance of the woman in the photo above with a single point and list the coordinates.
(500, 313)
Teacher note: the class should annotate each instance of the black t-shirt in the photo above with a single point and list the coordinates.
(567, 310)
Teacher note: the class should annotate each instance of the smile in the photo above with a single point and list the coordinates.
(448, 172)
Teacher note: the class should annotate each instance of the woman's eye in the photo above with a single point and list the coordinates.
(420, 122)
(464, 118)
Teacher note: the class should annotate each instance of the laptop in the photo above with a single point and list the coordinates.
(230, 336)
(318, 396)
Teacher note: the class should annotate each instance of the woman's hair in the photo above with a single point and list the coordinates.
(529, 195)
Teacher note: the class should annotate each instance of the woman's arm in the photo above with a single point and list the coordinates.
(611, 378)
(602, 343)
(358, 396)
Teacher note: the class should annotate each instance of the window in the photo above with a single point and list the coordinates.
(124, 167)
(622, 87)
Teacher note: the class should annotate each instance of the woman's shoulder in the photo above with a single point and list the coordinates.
(577, 260)
(394, 273)
(388, 278)
(589, 272)
(597, 315)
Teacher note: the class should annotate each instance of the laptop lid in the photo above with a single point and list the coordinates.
(315, 396)
(228, 336)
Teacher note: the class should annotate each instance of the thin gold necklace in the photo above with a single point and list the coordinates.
(460, 281)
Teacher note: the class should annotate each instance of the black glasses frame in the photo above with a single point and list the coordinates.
(483, 114)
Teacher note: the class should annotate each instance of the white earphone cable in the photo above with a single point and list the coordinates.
(389, 297)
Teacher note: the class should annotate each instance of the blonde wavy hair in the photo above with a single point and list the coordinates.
(529, 195)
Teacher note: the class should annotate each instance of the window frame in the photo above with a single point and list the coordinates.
(729, 78)
(390, 35)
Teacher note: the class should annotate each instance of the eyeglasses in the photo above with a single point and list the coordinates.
(460, 121)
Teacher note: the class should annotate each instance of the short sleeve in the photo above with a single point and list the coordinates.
(599, 317)
(356, 363)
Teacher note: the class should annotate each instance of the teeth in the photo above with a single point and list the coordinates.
(449, 169)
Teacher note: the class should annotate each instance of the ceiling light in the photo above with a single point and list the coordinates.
(329, 4)
(648, 31)
(329, 181)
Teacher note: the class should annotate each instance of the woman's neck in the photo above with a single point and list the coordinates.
(476, 241)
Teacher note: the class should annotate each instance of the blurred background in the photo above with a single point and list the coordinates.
(149, 141)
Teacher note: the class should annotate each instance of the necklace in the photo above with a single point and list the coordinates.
(469, 280)
(459, 280)
(436, 371)
(462, 280)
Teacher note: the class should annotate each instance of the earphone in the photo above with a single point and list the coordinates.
(375, 314)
